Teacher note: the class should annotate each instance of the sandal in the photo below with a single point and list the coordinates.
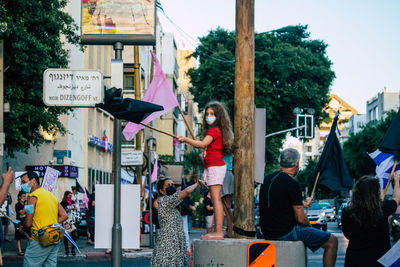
(20, 254)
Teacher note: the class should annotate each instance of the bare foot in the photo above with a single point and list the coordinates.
(228, 235)
(213, 236)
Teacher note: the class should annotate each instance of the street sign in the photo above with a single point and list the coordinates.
(131, 157)
(72, 88)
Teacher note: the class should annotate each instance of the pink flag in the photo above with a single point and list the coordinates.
(155, 171)
(159, 92)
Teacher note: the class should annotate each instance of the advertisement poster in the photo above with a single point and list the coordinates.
(117, 17)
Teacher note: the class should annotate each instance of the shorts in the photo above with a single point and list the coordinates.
(311, 237)
(214, 175)
(227, 186)
(209, 221)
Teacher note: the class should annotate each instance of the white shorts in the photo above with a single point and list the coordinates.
(214, 175)
(210, 221)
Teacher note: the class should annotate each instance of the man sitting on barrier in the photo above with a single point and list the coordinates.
(282, 215)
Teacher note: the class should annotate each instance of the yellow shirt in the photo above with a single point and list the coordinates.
(46, 209)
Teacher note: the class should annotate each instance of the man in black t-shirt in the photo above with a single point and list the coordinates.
(282, 214)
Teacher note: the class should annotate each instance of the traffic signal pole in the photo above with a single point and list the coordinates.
(117, 81)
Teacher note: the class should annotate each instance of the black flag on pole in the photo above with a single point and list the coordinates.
(126, 108)
(391, 142)
(331, 165)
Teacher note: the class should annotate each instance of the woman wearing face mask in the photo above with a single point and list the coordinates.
(21, 215)
(218, 140)
(170, 248)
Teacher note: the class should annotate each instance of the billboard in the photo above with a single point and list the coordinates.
(131, 22)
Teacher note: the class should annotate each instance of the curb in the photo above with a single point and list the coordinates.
(83, 257)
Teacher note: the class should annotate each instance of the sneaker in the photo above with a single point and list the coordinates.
(73, 253)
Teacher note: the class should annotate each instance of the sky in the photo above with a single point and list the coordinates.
(363, 36)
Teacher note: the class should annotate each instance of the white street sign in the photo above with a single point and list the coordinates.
(77, 88)
(131, 158)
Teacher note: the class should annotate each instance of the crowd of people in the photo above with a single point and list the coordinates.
(41, 219)
(281, 207)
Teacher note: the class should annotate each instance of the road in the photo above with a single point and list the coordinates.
(314, 259)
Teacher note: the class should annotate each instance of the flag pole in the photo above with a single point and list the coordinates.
(186, 123)
(158, 130)
(389, 180)
(313, 191)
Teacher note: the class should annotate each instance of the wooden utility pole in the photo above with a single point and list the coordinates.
(244, 120)
(136, 86)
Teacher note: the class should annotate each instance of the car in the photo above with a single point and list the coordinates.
(329, 211)
(339, 215)
(317, 217)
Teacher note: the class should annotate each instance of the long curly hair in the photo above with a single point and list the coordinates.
(365, 204)
(223, 123)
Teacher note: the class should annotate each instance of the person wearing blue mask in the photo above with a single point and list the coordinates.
(42, 210)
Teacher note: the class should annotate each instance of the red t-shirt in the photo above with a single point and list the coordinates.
(214, 150)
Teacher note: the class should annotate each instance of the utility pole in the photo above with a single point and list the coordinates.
(136, 84)
(244, 120)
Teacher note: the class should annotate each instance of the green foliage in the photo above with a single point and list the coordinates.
(191, 164)
(304, 177)
(355, 149)
(34, 40)
(291, 71)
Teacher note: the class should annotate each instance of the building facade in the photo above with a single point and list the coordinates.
(382, 103)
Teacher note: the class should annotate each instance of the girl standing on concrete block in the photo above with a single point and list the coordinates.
(217, 142)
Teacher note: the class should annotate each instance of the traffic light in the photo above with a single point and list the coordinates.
(305, 126)
(127, 108)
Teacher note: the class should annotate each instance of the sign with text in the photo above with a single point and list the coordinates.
(131, 157)
(66, 170)
(72, 88)
(50, 179)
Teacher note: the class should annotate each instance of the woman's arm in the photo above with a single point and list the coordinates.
(184, 193)
(196, 143)
(396, 190)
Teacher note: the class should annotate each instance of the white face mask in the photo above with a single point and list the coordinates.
(210, 119)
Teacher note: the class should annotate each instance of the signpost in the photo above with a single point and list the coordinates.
(72, 88)
(131, 157)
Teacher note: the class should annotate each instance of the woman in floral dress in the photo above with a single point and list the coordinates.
(170, 248)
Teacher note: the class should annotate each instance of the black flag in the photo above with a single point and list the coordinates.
(78, 186)
(391, 142)
(126, 108)
(333, 170)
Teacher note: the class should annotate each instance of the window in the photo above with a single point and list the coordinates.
(309, 149)
(129, 84)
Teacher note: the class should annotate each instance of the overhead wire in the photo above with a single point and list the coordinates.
(193, 40)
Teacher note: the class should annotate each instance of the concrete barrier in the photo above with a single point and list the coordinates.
(233, 253)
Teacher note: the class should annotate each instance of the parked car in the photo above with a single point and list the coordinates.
(317, 216)
(339, 215)
(329, 211)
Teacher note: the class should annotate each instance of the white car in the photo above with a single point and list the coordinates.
(330, 211)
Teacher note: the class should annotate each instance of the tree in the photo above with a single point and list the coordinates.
(291, 70)
(355, 149)
(304, 177)
(34, 40)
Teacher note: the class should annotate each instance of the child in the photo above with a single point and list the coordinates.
(217, 141)
(209, 212)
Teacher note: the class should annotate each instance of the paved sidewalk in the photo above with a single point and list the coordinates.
(88, 252)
